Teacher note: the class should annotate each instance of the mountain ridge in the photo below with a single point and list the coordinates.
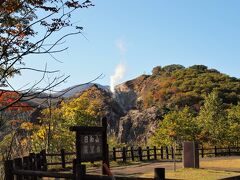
(138, 105)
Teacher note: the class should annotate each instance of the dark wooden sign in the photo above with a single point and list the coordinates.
(91, 147)
(91, 143)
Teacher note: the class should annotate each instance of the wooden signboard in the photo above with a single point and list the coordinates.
(91, 143)
(91, 147)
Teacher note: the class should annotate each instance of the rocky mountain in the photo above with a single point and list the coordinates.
(138, 105)
(147, 98)
(74, 90)
(109, 107)
(42, 100)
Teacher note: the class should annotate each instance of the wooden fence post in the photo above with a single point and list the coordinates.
(32, 164)
(132, 153)
(229, 151)
(63, 158)
(140, 153)
(148, 153)
(159, 174)
(38, 162)
(74, 167)
(43, 160)
(180, 151)
(78, 170)
(172, 149)
(31, 161)
(26, 165)
(202, 152)
(124, 158)
(8, 169)
(105, 146)
(215, 151)
(18, 165)
(161, 152)
(106, 160)
(114, 154)
(167, 155)
(26, 162)
(155, 152)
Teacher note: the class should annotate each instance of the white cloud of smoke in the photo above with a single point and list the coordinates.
(120, 69)
(121, 47)
(117, 76)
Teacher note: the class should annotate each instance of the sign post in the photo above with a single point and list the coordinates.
(190, 155)
(91, 144)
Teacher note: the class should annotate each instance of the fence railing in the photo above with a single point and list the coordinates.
(36, 165)
(167, 153)
(126, 154)
(32, 167)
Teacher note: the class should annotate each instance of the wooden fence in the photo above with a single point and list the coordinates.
(33, 167)
(36, 165)
(167, 153)
(139, 154)
(125, 154)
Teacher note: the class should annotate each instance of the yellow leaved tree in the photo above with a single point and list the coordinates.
(52, 133)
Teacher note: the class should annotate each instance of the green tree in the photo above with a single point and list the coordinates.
(176, 127)
(213, 120)
(199, 67)
(172, 67)
(234, 125)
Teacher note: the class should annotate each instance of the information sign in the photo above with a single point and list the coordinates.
(91, 147)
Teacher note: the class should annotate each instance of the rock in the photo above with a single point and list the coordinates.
(137, 126)
(125, 97)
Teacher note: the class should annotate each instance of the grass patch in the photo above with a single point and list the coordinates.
(211, 168)
(227, 163)
(195, 174)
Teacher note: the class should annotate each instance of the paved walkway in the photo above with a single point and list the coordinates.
(143, 168)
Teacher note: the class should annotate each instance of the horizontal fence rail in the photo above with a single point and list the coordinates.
(167, 153)
(36, 165)
(126, 154)
(32, 169)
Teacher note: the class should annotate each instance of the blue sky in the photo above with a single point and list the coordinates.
(140, 35)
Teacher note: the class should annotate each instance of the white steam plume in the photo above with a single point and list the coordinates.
(121, 47)
(117, 76)
(120, 69)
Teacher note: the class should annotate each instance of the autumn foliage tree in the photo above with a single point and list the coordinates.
(30, 27)
(84, 110)
(15, 125)
(27, 28)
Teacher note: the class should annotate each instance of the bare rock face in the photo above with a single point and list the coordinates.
(137, 126)
(126, 97)
(138, 123)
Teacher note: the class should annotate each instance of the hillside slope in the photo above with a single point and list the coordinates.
(147, 98)
(138, 105)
